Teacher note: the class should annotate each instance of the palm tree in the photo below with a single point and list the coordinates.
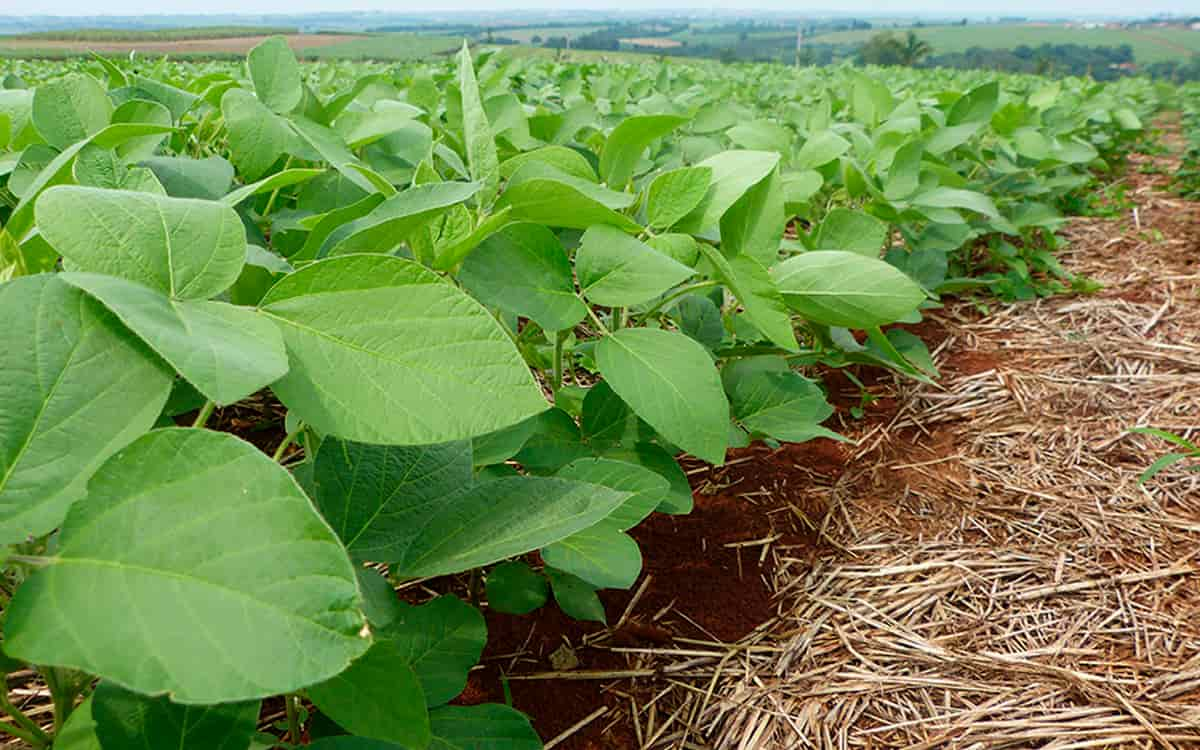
(913, 50)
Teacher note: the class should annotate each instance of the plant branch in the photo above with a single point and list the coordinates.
(293, 718)
(559, 338)
(681, 292)
(205, 412)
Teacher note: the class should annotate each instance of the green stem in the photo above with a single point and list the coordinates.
(559, 338)
(61, 696)
(24, 721)
(275, 192)
(287, 440)
(205, 412)
(293, 717)
(681, 292)
(21, 734)
(592, 314)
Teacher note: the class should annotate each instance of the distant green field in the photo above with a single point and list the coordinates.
(150, 35)
(397, 46)
(525, 35)
(1149, 45)
(728, 38)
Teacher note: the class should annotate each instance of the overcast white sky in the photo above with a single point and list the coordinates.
(950, 7)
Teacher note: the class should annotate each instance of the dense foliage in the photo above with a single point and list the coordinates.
(498, 299)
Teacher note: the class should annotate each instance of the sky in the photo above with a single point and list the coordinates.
(951, 7)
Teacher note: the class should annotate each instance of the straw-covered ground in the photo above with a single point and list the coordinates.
(991, 573)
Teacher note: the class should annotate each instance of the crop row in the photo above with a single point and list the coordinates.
(498, 298)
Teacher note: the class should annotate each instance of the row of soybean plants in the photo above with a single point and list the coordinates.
(498, 299)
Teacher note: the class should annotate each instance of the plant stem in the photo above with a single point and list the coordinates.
(61, 695)
(287, 440)
(275, 192)
(19, 716)
(21, 734)
(293, 717)
(205, 412)
(681, 292)
(559, 337)
(592, 313)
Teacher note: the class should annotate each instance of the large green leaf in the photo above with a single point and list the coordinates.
(514, 588)
(852, 231)
(838, 288)
(76, 388)
(276, 74)
(385, 351)
(754, 224)
(820, 149)
(370, 494)
(477, 133)
(187, 249)
(672, 195)
(489, 726)
(523, 269)
(69, 109)
(391, 221)
(487, 522)
(378, 697)
(627, 142)
(601, 555)
(226, 352)
(125, 719)
(769, 399)
(617, 270)
(542, 194)
(648, 488)
(200, 569)
(257, 136)
(206, 179)
(575, 596)
(670, 381)
(733, 173)
(761, 299)
(441, 639)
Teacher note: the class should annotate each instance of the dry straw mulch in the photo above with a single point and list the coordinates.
(993, 575)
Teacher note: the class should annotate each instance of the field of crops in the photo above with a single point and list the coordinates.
(1150, 45)
(284, 339)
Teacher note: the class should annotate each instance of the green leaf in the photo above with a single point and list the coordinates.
(442, 639)
(852, 231)
(1161, 464)
(944, 197)
(820, 149)
(127, 719)
(649, 488)
(627, 142)
(733, 173)
(524, 270)
(391, 221)
(385, 351)
(76, 388)
(187, 249)
(673, 195)
(754, 224)
(601, 555)
(488, 522)
(70, 109)
(276, 181)
(79, 733)
(670, 381)
(606, 420)
(618, 270)
(501, 445)
(678, 500)
(208, 622)
(378, 697)
(451, 254)
(371, 494)
(226, 352)
(544, 195)
(515, 589)
(276, 74)
(330, 146)
(477, 133)
(206, 179)
(380, 604)
(770, 399)
(761, 299)
(838, 288)
(257, 136)
(575, 596)
(554, 443)
(489, 726)
(566, 160)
